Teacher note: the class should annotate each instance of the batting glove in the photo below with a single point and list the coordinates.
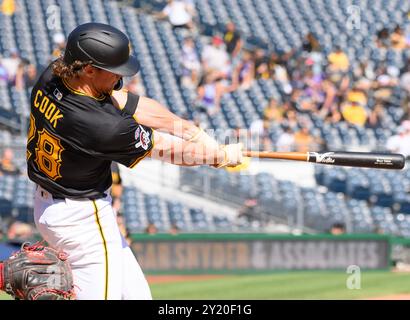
(233, 155)
(205, 139)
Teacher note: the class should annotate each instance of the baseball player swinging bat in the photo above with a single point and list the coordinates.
(351, 159)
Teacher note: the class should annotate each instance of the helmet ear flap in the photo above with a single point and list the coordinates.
(119, 85)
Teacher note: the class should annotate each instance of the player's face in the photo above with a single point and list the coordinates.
(105, 81)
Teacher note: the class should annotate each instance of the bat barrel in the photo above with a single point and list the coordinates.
(359, 159)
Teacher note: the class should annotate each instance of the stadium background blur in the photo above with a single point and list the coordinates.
(277, 75)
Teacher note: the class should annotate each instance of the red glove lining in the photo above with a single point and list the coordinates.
(1, 276)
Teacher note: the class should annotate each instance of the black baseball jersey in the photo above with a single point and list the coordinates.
(73, 138)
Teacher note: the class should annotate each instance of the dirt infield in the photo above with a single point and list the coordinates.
(181, 278)
(392, 297)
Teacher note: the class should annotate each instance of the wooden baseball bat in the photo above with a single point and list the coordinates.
(338, 158)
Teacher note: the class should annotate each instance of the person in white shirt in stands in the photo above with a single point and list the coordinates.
(11, 64)
(400, 142)
(190, 64)
(214, 57)
(179, 13)
(286, 141)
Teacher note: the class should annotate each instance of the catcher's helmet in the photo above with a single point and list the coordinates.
(107, 47)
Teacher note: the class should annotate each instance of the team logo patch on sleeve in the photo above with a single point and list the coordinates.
(137, 133)
(58, 94)
(143, 137)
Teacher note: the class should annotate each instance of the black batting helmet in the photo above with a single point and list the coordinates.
(107, 47)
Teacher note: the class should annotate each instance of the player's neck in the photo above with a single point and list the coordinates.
(80, 86)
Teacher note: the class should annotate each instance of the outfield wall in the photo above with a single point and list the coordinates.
(219, 253)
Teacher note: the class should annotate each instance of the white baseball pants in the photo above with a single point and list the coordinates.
(103, 266)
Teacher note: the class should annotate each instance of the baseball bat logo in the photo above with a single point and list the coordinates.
(323, 157)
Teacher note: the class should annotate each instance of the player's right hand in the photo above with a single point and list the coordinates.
(233, 155)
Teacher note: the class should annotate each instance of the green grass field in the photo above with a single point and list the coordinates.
(291, 285)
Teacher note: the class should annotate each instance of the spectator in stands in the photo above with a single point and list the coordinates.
(174, 230)
(259, 131)
(338, 65)
(405, 78)
(405, 105)
(190, 64)
(286, 58)
(398, 39)
(303, 140)
(364, 75)
(354, 113)
(375, 119)
(3, 71)
(274, 112)
(286, 141)
(278, 72)
(393, 143)
(232, 39)
(11, 64)
(329, 92)
(303, 100)
(257, 127)
(383, 38)
(338, 61)
(338, 228)
(356, 94)
(407, 36)
(313, 92)
(151, 229)
(20, 232)
(250, 210)
(405, 145)
(310, 43)
(23, 75)
(7, 165)
(334, 117)
(123, 229)
(8, 7)
(59, 45)
(30, 76)
(291, 119)
(135, 86)
(180, 14)
(210, 92)
(19, 78)
(273, 61)
(215, 58)
(261, 64)
(400, 142)
(386, 80)
(245, 71)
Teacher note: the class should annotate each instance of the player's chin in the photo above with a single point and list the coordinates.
(108, 90)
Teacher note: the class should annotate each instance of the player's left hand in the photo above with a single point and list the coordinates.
(233, 155)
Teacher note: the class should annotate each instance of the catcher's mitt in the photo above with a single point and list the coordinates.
(37, 272)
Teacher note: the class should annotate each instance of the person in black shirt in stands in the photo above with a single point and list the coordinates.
(232, 39)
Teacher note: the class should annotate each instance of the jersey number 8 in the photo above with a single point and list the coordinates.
(48, 151)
